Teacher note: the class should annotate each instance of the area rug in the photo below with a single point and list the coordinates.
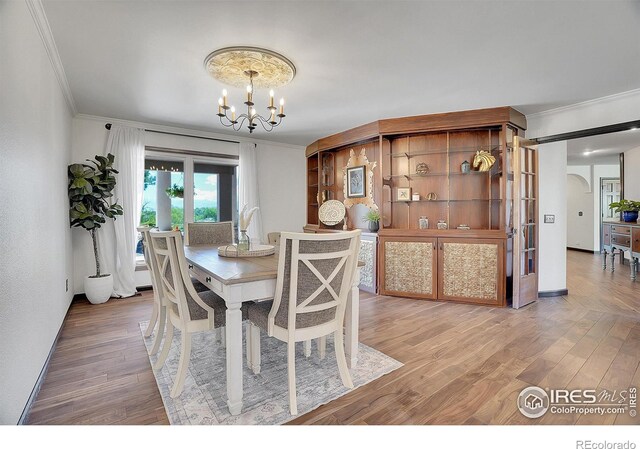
(265, 398)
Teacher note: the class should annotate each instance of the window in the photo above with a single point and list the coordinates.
(168, 179)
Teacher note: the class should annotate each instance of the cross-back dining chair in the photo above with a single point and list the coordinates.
(315, 274)
(273, 238)
(159, 312)
(208, 233)
(187, 310)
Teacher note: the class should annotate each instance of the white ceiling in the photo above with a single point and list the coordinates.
(357, 61)
(603, 149)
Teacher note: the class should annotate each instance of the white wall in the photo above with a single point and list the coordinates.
(281, 178)
(580, 213)
(631, 174)
(618, 108)
(282, 183)
(35, 240)
(552, 167)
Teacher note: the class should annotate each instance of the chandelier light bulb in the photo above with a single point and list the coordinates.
(233, 113)
(224, 97)
(282, 106)
(220, 103)
(249, 89)
(271, 98)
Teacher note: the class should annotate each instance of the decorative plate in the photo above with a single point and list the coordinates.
(255, 251)
(331, 212)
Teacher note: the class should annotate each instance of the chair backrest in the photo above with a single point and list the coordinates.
(273, 238)
(174, 279)
(207, 233)
(315, 274)
(149, 259)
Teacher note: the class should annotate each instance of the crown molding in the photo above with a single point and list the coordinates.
(193, 132)
(584, 104)
(42, 24)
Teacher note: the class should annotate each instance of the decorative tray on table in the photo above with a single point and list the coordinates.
(255, 251)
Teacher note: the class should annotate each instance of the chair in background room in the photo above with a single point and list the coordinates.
(315, 273)
(273, 238)
(159, 313)
(208, 233)
(187, 310)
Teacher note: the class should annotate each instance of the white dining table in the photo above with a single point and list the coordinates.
(243, 279)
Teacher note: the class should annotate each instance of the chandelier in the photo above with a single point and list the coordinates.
(254, 68)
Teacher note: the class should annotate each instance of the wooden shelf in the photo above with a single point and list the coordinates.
(472, 149)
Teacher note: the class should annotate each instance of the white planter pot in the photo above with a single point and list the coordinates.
(98, 290)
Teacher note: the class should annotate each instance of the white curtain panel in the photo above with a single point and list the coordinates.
(117, 241)
(248, 189)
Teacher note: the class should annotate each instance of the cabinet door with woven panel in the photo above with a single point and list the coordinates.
(408, 267)
(471, 270)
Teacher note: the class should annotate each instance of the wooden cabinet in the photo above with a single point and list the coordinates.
(606, 235)
(369, 255)
(409, 267)
(433, 156)
(635, 240)
(471, 270)
(444, 268)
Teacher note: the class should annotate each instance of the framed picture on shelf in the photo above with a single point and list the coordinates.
(404, 194)
(356, 186)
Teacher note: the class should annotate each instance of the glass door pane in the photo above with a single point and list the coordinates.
(162, 201)
(214, 191)
(205, 196)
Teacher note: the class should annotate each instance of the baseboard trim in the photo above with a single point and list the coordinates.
(582, 250)
(141, 288)
(552, 293)
(43, 373)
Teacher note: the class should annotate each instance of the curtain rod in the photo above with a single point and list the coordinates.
(108, 126)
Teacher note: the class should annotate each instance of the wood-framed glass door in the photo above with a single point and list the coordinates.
(525, 222)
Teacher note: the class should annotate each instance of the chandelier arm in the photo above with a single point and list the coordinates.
(262, 122)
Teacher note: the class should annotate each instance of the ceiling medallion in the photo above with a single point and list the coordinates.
(251, 67)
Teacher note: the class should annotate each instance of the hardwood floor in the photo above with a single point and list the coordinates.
(462, 363)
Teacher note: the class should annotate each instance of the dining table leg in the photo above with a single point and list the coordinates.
(352, 322)
(234, 357)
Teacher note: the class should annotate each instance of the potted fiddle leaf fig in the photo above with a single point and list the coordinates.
(90, 192)
(629, 209)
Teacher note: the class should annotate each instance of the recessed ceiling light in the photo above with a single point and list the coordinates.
(634, 128)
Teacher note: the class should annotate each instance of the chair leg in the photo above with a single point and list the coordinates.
(248, 344)
(322, 347)
(255, 348)
(152, 321)
(162, 322)
(307, 348)
(342, 360)
(168, 339)
(291, 369)
(183, 366)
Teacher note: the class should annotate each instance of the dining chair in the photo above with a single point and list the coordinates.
(187, 310)
(315, 274)
(208, 233)
(158, 313)
(273, 238)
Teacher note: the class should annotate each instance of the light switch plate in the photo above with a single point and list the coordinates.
(549, 218)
